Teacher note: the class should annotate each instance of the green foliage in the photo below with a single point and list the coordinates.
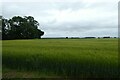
(62, 57)
(21, 28)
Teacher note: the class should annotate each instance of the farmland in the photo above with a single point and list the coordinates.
(60, 58)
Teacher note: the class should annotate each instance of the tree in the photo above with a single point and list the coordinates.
(21, 28)
(5, 29)
(0, 27)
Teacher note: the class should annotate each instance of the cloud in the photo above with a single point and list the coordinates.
(69, 18)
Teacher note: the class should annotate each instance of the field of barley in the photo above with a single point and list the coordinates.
(60, 58)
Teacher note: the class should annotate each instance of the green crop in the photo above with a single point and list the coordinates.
(60, 57)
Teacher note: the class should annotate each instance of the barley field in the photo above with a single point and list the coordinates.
(60, 58)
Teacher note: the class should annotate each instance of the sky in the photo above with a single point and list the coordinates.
(67, 18)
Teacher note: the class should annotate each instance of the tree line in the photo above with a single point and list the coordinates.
(20, 28)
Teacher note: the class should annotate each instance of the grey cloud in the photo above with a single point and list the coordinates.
(77, 27)
(105, 22)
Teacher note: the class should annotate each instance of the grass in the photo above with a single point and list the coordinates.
(60, 57)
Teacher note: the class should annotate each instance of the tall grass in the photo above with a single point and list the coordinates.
(63, 57)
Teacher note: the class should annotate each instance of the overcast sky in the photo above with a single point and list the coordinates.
(62, 18)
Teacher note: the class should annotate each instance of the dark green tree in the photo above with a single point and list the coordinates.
(5, 29)
(21, 28)
(0, 27)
